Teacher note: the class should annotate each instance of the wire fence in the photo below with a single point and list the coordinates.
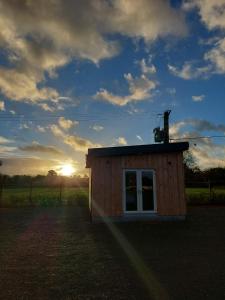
(31, 192)
(60, 191)
(206, 192)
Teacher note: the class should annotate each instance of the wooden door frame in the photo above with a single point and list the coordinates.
(139, 198)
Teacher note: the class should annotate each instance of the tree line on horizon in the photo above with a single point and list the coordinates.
(194, 176)
(51, 179)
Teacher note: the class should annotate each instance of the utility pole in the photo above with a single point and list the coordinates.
(31, 190)
(162, 135)
(166, 126)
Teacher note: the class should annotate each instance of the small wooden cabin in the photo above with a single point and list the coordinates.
(137, 182)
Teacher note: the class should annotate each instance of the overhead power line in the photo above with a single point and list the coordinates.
(199, 137)
(76, 117)
(46, 119)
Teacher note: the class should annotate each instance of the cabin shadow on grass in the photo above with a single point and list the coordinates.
(56, 253)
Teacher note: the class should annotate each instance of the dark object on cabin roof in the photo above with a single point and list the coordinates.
(138, 149)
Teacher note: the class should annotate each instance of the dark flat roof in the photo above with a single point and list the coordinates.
(138, 149)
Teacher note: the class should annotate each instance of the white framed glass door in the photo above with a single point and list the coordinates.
(139, 190)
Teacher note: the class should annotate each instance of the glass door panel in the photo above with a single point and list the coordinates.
(131, 191)
(147, 187)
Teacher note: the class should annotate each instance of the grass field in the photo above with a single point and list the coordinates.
(16, 197)
(56, 253)
(203, 195)
(43, 196)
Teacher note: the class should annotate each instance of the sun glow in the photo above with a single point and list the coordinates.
(67, 170)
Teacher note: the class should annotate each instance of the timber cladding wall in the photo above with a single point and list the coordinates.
(107, 182)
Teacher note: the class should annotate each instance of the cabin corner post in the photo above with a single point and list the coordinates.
(90, 194)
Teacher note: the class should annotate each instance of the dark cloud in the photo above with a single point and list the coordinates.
(27, 165)
(35, 147)
(204, 125)
(207, 152)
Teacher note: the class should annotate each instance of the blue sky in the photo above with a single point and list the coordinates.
(81, 74)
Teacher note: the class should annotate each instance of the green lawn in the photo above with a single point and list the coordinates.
(41, 196)
(50, 196)
(203, 196)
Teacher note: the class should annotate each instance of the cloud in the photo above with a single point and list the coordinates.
(147, 67)
(38, 37)
(204, 125)
(121, 141)
(79, 143)
(5, 150)
(212, 13)
(198, 98)
(208, 41)
(27, 165)
(133, 110)
(139, 138)
(2, 106)
(47, 107)
(24, 126)
(57, 103)
(146, 18)
(175, 129)
(97, 127)
(56, 130)
(190, 71)
(36, 147)
(66, 123)
(40, 128)
(198, 126)
(185, 72)
(139, 87)
(216, 55)
(171, 91)
(4, 140)
(215, 59)
(206, 152)
(209, 155)
(76, 142)
(22, 86)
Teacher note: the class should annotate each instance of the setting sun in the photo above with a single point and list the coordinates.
(67, 170)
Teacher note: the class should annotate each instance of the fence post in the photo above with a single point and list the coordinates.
(60, 189)
(1, 189)
(210, 191)
(31, 190)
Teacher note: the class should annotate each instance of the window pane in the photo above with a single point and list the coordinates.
(131, 191)
(147, 190)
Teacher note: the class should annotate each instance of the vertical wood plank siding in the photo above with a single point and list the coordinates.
(107, 182)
